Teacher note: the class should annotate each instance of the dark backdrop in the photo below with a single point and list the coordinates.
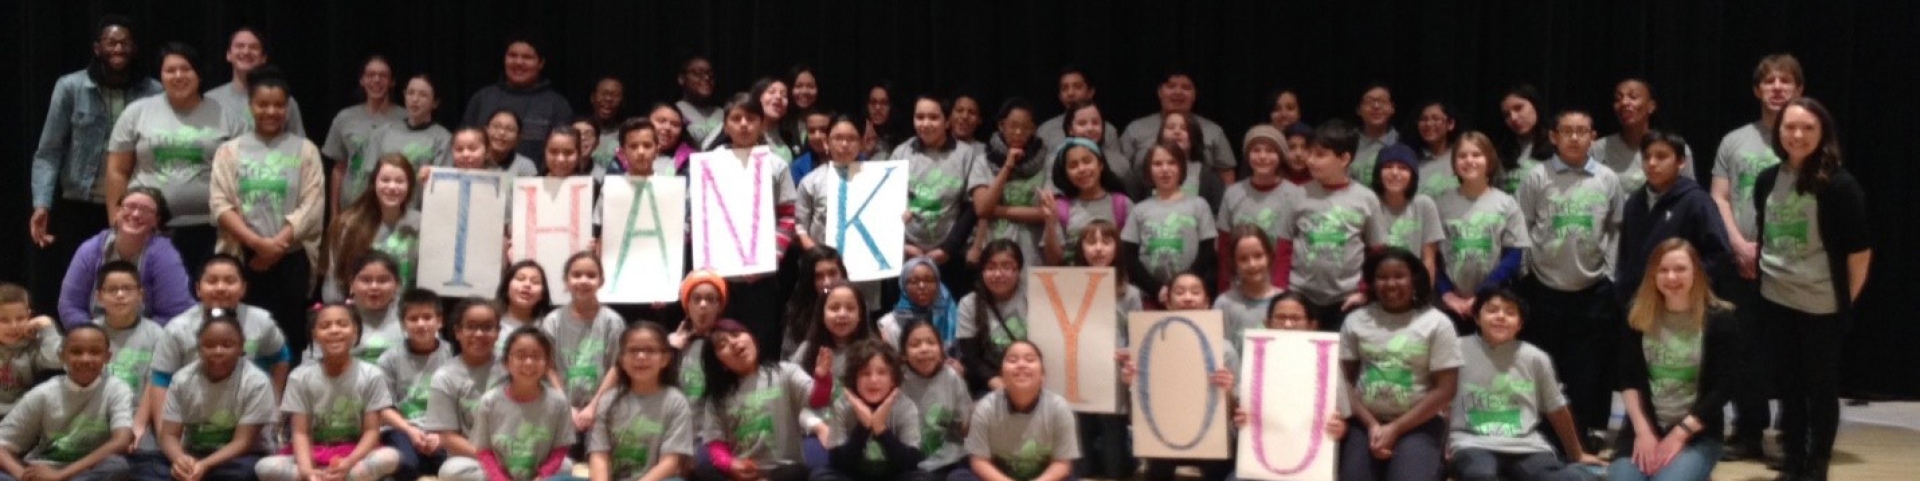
(1699, 56)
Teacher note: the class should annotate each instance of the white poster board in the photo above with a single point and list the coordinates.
(733, 219)
(864, 220)
(642, 238)
(552, 220)
(1071, 318)
(1177, 412)
(460, 248)
(1290, 380)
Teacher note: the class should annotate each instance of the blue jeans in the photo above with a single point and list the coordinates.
(965, 473)
(1693, 463)
(412, 463)
(1418, 455)
(1484, 465)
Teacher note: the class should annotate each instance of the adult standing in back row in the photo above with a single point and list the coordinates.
(523, 92)
(73, 146)
(1177, 93)
(247, 51)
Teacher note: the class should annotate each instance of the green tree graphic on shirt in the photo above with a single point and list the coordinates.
(341, 422)
(1017, 193)
(693, 380)
(1492, 409)
(1165, 242)
(129, 365)
(177, 155)
(1573, 217)
(401, 244)
(1328, 233)
(1401, 234)
(263, 183)
(1787, 224)
(414, 403)
(1016, 328)
(1472, 241)
(934, 424)
(583, 366)
(1389, 368)
(216, 432)
(371, 347)
(753, 421)
(357, 160)
(80, 437)
(419, 153)
(1751, 164)
(1438, 185)
(927, 197)
(632, 444)
(515, 449)
(1264, 218)
(1030, 460)
(1671, 366)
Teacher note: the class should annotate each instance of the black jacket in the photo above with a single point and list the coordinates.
(1686, 211)
(1719, 373)
(1844, 227)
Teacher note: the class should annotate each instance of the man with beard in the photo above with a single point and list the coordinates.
(246, 52)
(526, 94)
(72, 148)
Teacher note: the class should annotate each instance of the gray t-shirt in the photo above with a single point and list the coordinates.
(455, 394)
(233, 100)
(1743, 154)
(267, 178)
(1018, 192)
(1008, 325)
(1476, 230)
(1510, 179)
(264, 343)
(1572, 215)
(1436, 173)
(1368, 154)
(1412, 227)
(693, 378)
(1398, 353)
(380, 330)
(1330, 234)
(336, 405)
(521, 435)
(637, 431)
(764, 418)
(1053, 133)
(1673, 367)
(22, 359)
(1794, 270)
(429, 145)
(1244, 204)
(1143, 132)
(1023, 444)
(400, 240)
(944, 406)
(939, 188)
(410, 378)
(173, 152)
(1242, 312)
(1169, 233)
(133, 350)
(1505, 392)
(702, 121)
(59, 422)
(903, 423)
(209, 411)
(1616, 153)
(583, 349)
(349, 140)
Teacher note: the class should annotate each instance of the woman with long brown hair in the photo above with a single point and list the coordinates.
(380, 219)
(1675, 372)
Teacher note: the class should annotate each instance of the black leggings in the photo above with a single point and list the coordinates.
(1807, 360)
(283, 290)
(1579, 330)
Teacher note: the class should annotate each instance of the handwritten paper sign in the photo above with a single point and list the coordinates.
(863, 220)
(642, 238)
(733, 217)
(460, 253)
(552, 220)
(1290, 380)
(1072, 321)
(1177, 412)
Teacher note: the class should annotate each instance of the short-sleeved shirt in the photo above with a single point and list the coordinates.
(1794, 269)
(233, 101)
(1003, 323)
(1436, 173)
(1505, 392)
(521, 434)
(1476, 230)
(400, 239)
(263, 342)
(267, 181)
(1410, 228)
(428, 145)
(583, 349)
(764, 417)
(1143, 132)
(1572, 214)
(1081, 212)
(1244, 204)
(1242, 312)
(19, 361)
(380, 330)
(945, 406)
(693, 378)
(1170, 234)
(336, 405)
(1397, 353)
(1330, 234)
(939, 188)
(349, 140)
(1743, 154)
(209, 411)
(1368, 153)
(133, 350)
(173, 152)
(1616, 153)
(1018, 192)
(410, 377)
(59, 422)
(637, 431)
(1673, 358)
(455, 394)
(1023, 444)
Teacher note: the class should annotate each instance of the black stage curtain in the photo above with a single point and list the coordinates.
(1699, 55)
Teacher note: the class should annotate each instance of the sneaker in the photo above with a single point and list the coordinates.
(1743, 448)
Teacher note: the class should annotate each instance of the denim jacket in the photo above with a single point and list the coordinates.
(73, 144)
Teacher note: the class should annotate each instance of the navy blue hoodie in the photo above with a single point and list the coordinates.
(1685, 211)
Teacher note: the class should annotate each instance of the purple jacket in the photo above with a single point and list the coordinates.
(162, 276)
